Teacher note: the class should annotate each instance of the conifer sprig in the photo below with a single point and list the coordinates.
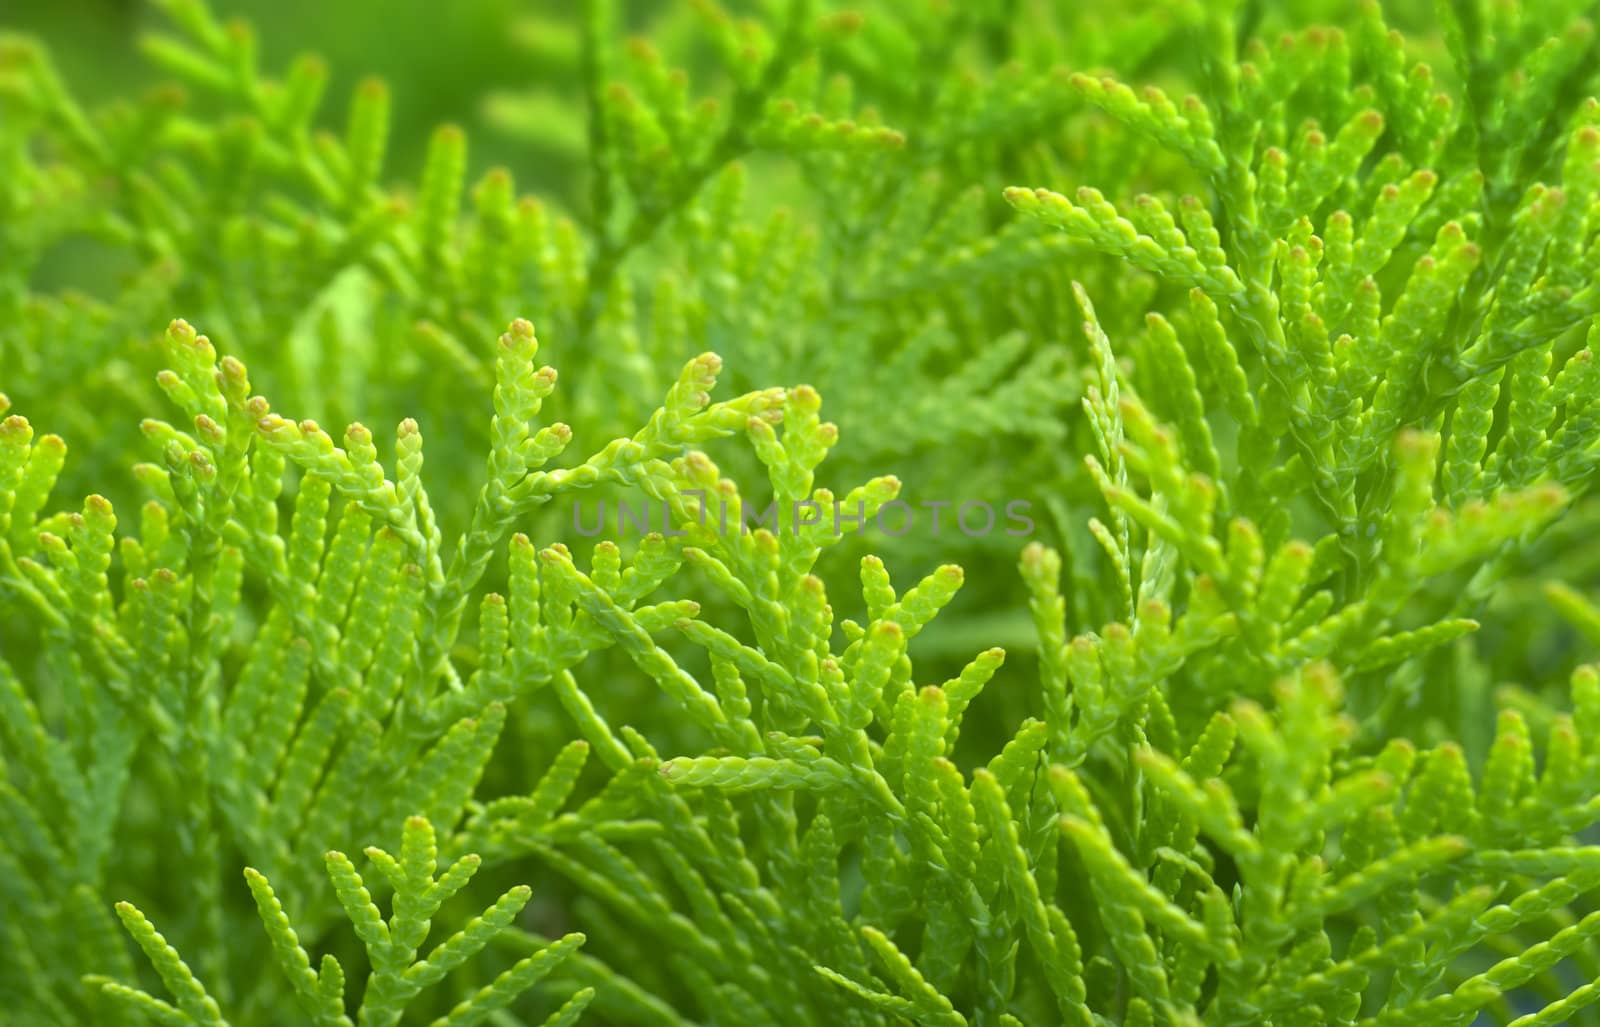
(1296, 372)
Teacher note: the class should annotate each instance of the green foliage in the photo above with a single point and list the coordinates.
(1301, 394)
(396, 976)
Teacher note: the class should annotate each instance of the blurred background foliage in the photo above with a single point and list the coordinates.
(441, 62)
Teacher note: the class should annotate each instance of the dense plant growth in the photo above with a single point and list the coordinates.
(1260, 344)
